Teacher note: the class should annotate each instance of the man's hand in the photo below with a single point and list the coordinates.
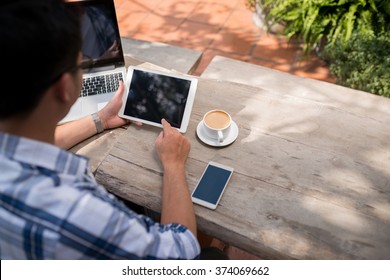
(172, 147)
(109, 114)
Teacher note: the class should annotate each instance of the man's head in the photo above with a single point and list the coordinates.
(41, 41)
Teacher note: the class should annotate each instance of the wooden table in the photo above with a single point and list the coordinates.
(311, 180)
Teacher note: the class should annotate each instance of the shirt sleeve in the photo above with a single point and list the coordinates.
(99, 226)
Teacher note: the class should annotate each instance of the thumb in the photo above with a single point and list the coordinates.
(160, 138)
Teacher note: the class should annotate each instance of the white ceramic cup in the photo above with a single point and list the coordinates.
(217, 124)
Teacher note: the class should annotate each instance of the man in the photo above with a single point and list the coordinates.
(51, 206)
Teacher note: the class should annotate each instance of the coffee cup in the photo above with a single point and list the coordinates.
(217, 124)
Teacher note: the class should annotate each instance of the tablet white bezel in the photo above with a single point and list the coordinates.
(190, 97)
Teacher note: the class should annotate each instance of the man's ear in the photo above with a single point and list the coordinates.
(62, 88)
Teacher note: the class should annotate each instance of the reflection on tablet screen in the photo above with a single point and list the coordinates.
(153, 97)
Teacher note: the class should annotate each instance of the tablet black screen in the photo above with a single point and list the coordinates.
(154, 96)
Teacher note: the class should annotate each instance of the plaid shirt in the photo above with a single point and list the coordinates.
(52, 208)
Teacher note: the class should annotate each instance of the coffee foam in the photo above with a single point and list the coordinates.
(217, 119)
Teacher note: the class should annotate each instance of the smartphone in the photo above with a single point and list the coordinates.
(211, 185)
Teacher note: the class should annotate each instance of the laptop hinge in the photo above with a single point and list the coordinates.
(99, 69)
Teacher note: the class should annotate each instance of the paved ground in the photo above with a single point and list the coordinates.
(215, 27)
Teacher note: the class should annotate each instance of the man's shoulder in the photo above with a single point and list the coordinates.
(31, 153)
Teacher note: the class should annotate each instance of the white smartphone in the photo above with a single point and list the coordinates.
(211, 185)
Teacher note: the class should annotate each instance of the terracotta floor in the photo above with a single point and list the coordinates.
(215, 27)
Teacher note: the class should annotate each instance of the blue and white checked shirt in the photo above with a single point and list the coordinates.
(52, 208)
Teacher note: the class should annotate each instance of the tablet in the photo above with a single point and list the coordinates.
(152, 95)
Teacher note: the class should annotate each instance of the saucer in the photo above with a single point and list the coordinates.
(214, 142)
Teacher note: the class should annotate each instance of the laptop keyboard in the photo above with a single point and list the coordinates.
(101, 84)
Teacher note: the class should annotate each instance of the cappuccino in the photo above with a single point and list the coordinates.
(217, 119)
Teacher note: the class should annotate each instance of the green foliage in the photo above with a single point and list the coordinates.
(363, 63)
(329, 20)
(355, 33)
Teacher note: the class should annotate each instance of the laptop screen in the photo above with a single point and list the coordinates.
(101, 40)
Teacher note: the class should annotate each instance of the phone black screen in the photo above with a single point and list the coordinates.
(212, 184)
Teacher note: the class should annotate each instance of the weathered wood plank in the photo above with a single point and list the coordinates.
(170, 57)
(281, 83)
(97, 147)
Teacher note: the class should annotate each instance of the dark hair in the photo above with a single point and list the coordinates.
(40, 40)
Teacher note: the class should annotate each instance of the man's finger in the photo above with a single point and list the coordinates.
(120, 89)
(136, 123)
(166, 126)
(121, 85)
(159, 137)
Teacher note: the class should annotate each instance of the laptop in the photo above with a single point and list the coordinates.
(103, 60)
